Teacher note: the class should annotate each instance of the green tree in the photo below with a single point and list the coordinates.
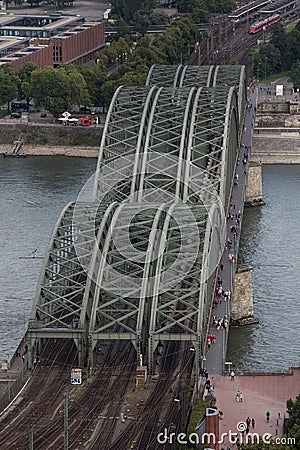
(94, 79)
(8, 84)
(127, 9)
(78, 86)
(270, 59)
(142, 20)
(151, 54)
(279, 40)
(24, 75)
(293, 47)
(52, 90)
(295, 75)
(293, 407)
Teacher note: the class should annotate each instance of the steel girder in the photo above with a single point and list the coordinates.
(189, 145)
(178, 125)
(164, 75)
(152, 275)
(233, 76)
(200, 76)
(123, 137)
(58, 310)
(178, 76)
(163, 149)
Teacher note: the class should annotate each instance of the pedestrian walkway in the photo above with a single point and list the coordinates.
(215, 355)
(261, 394)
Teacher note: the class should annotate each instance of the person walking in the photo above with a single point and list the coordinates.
(232, 375)
(253, 422)
(241, 397)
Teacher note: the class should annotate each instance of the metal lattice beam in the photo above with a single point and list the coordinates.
(137, 260)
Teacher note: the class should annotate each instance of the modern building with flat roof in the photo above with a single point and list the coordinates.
(49, 40)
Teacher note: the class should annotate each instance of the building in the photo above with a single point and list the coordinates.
(49, 40)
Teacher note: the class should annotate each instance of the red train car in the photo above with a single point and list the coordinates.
(258, 26)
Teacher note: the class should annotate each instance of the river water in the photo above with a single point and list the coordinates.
(34, 191)
(270, 243)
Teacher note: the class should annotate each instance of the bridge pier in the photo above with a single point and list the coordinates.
(254, 196)
(242, 311)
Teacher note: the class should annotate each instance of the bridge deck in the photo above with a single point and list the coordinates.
(217, 353)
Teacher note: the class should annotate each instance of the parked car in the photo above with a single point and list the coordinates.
(16, 115)
(85, 109)
(85, 121)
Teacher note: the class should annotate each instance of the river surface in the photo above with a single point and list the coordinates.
(33, 192)
(270, 243)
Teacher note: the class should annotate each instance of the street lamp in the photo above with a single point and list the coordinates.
(198, 48)
(257, 72)
(265, 67)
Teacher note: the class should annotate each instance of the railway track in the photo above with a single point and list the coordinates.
(41, 407)
(231, 44)
(160, 407)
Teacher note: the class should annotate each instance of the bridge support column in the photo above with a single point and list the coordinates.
(242, 311)
(32, 343)
(80, 348)
(151, 362)
(254, 196)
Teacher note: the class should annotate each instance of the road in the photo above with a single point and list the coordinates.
(90, 9)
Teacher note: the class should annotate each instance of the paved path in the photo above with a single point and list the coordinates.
(216, 354)
(261, 393)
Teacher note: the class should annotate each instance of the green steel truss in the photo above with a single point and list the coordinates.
(137, 261)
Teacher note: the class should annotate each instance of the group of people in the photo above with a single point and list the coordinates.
(220, 323)
(239, 396)
(207, 385)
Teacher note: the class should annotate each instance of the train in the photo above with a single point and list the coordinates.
(258, 26)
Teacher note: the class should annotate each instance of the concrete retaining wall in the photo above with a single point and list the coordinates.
(52, 135)
(274, 149)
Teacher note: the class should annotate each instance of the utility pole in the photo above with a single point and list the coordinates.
(66, 420)
(31, 438)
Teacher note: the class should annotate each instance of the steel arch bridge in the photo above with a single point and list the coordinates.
(135, 257)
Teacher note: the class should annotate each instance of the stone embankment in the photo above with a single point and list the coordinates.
(273, 149)
(47, 150)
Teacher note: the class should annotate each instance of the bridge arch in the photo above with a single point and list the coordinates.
(167, 154)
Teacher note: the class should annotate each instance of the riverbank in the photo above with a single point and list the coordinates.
(261, 393)
(48, 150)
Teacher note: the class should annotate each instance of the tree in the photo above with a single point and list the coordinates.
(295, 75)
(293, 408)
(142, 21)
(279, 40)
(94, 80)
(79, 91)
(51, 88)
(293, 50)
(270, 57)
(8, 84)
(126, 10)
(24, 86)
